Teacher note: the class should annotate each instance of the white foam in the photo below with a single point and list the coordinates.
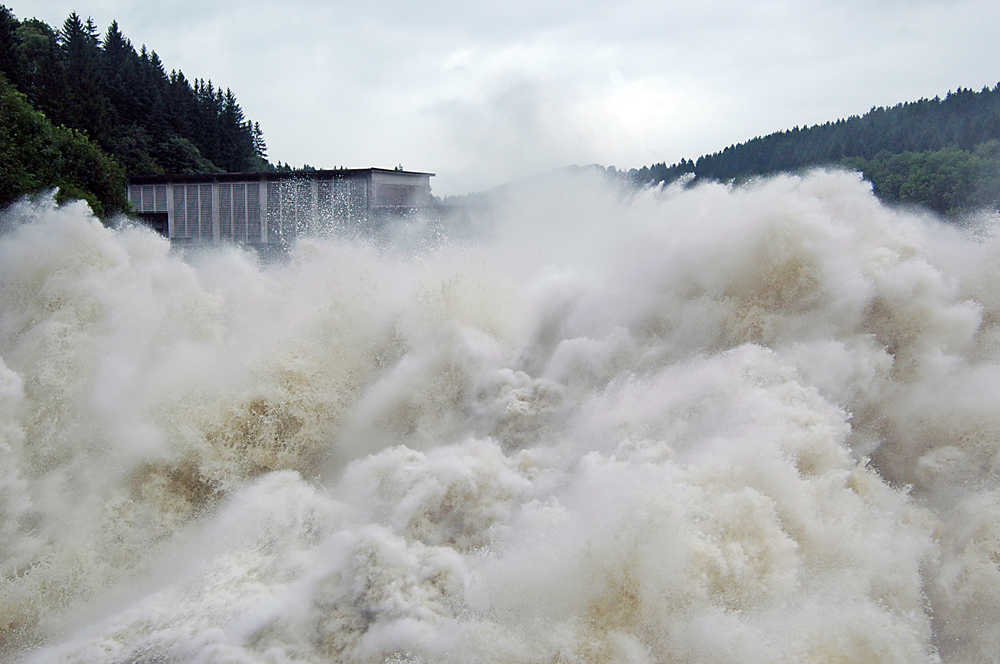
(711, 425)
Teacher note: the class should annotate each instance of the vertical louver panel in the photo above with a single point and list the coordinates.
(274, 229)
(359, 198)
(303, 206)
(288, 228)
(180, 213)
(205, 211)
(160, 198)
(135, 197)
(303, 191)
(240, 212)
(253, 212)
(324, 204)
(342, 201)
(226, 211)
(192, 211)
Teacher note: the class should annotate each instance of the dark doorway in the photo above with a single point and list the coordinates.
(155, 220)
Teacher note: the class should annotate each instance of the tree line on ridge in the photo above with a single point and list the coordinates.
(943, 154)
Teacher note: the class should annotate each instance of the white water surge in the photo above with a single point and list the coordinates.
(716, 425)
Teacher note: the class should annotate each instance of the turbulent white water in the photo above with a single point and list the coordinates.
(716, 425)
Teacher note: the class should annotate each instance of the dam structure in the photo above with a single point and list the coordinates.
(272, 210)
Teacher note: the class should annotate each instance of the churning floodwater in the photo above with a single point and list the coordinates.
(754, 424)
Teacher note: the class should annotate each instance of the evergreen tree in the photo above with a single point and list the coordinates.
(83, 105)
(259, 146)
(9, 60)
(120, 77)
(39, 73)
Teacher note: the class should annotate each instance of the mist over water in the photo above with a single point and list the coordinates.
(713, 425)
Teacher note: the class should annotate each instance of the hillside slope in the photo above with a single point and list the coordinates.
(940, 153)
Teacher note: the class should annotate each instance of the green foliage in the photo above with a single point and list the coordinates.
(36, 155)
(179, 155)
(949, 181)
(940, 153)
(150, 121)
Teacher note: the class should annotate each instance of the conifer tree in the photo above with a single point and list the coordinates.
(83, 104)
(259, 146)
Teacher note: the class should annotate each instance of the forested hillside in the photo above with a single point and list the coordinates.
(941, 153)
(150, 122)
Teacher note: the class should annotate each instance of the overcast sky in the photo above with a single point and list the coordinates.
(483, 93)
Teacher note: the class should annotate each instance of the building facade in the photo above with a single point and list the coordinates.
(273, 209)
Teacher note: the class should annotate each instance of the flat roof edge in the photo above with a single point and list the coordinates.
(271, 175)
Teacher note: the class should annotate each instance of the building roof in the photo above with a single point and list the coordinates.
(331, 174)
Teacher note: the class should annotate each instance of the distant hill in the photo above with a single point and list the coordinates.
(940, 153)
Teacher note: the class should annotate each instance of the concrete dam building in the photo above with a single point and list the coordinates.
(273, 209)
